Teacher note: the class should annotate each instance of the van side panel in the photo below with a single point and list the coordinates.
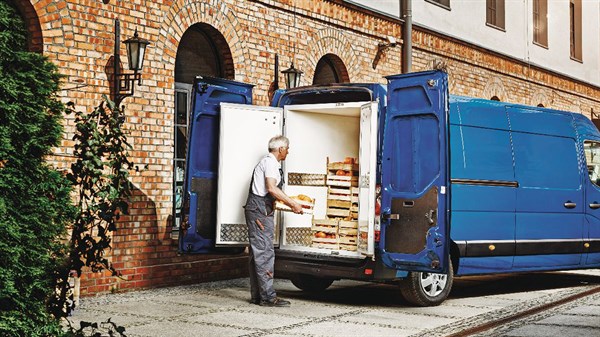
(483, 186)
(549, 214)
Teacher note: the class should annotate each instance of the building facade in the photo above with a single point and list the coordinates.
(329, 40)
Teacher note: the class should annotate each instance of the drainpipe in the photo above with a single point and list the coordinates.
(406, 6)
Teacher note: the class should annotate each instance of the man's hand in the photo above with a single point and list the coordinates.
(297, 208)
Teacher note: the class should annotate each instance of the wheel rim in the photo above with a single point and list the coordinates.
(433, 284)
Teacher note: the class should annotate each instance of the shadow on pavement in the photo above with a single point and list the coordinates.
(366, 294)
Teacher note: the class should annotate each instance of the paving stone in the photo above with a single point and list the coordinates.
(343, 329)
(397, 319)
(179, 329)
(99, 317)
(248, 320)
(152, 309)
(593, 310)
(572, 320)
(347, 308)
(450, 311)
(492, 302)
(539, 330)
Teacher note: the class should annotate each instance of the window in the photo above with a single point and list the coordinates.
(442, 3)
(182, 111)
(540, 22)
(575, 29)
(592, 159)
(495, 13)
(330, 69)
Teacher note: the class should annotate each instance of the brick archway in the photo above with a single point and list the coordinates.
(35, 41)
(330, 41)
(495, 88)
(540, 97)
(332, 68)
(184, 14)
(203, 51)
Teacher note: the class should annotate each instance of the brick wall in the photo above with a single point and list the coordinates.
(78, 36)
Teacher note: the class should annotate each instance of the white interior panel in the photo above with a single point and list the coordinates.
(368, 157)
(244, 136)
(316, 132)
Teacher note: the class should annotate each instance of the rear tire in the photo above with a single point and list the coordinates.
(427, 289)
(310, 283)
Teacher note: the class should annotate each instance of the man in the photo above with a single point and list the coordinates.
(265, 188)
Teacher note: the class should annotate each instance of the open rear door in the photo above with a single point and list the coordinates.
(244, 139)
(197, 232)
(414, 227)
(366, 184)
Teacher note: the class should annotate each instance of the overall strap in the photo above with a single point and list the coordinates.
(252, 180)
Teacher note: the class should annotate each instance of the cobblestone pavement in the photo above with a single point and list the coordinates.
(351, 308)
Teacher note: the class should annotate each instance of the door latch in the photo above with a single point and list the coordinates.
(388, 216)
(429, 216)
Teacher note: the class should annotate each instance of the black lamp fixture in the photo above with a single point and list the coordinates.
(292, 76)
(136, 50)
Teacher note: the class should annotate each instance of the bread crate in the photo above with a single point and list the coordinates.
(344, 194)
(325, 225)
(307, 206)
(336, 166)
(348, 235)
(346, 227)
(341, 181)
(324, 233)
(350, 247)
(325, 245)
(338, 212)
(339, 203)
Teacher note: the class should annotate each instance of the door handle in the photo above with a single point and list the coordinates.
(570, 204)
(594, 205)
(388, 216)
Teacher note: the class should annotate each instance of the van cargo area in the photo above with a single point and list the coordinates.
(325, 142)
(328, 143)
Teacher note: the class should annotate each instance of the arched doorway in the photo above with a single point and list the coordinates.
(330, 69)
(32, 23)
(202, 51)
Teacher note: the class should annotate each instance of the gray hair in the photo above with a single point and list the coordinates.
(277, 142)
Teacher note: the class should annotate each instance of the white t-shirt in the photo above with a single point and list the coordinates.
(268, 167)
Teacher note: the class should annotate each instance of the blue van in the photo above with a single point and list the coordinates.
(446, 185)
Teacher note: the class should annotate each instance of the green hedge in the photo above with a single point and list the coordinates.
(35, 206)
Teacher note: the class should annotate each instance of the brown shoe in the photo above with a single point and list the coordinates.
(276, 302)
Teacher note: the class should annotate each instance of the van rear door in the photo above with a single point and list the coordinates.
(414, 227)
(197, 234)
(243, 141)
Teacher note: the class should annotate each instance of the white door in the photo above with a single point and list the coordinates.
(366, 183)
(245, 131)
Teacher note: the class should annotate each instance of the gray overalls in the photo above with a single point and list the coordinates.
(262, 255)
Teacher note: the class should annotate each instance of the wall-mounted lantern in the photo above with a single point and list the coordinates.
(136, 50)
(292, 77)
